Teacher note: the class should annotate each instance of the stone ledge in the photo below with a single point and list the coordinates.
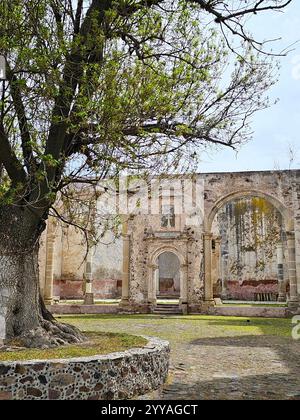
(250, 312)
(83, 309)
(114, 376)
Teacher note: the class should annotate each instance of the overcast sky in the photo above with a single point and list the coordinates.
(276, 129)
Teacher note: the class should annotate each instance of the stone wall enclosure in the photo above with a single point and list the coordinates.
(114, 376)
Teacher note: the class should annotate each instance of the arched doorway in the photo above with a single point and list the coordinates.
(168, 275)
(283, 245)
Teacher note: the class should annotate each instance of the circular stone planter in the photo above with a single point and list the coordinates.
(113, 376)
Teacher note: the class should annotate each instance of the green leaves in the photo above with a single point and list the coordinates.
(49, 161)
(121, 85)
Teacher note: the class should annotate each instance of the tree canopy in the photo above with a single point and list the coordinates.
(96, 87)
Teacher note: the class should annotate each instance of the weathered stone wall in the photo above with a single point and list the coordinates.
(114, 376)
(149, 237)
(138, 287)
(248, 290)
(77, 309)
(250, 311)
(284, 186)
(250, 230)
(74, 289)
(296, 195)
(68, 272)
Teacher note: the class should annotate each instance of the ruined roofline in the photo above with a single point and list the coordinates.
(295, 172)
(251, 172)
(261, 172)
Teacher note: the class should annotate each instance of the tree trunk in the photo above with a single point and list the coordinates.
(19, 291)
(23, 318)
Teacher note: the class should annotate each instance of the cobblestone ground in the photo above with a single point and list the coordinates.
(217, 357)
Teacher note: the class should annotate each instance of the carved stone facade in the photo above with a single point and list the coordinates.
(189, 234)
(148, 241)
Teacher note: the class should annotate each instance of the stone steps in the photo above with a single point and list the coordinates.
(167, 309)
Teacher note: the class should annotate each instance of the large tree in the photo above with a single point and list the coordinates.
(95, 87)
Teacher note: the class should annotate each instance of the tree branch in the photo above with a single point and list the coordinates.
(22, 120)
(71, 78)
(206, 5)
(9, 159)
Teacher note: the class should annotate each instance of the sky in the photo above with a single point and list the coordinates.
(277, 129)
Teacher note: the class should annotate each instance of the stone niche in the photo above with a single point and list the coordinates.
(113, 376)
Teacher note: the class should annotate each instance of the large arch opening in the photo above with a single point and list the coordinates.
(243, 194)
(246, 264)
(250, 248)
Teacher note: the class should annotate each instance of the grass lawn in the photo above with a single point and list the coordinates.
(98, 344)
(215, 357)
(110, 333)
(181, 328)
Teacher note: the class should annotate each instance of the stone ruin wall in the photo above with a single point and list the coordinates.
(107, 260)
(250, 230)
(68, 275)
(283, 185)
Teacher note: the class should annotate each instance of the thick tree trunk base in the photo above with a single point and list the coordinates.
(50, 334)
(24, 319)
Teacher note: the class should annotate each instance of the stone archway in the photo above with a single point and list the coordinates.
(153, 274)
(169, 275)
(286, 213)
(288, 222)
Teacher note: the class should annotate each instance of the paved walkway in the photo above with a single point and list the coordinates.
(218, 357)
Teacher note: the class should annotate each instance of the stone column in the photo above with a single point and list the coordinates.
(217, 265)
(126, 264)
(183, 301)
(153, 273)
(224, 275)
(50, 239)
(281, 282)
(88, 277)
(218, 241)
(156, 281)
(213, 264)
(208, 285)
(294, 301)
